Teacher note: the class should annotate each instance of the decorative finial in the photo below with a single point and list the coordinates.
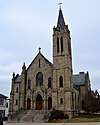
(13, 74)
(24, 67)
(59, 5)
(39, 49)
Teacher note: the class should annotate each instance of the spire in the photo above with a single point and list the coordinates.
(61, 21)
(13, 74)
(24, 67)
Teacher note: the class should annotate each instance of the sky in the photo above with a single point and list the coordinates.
(26, 25)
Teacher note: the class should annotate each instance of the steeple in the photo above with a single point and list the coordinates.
(62, 66)
(61, 21)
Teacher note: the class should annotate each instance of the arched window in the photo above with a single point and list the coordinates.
(39, 63)
(29, 84)
(83, 105)
(16, 102)
(49, 103)
(49, 83)
(69, 48)
(28, 104)
(61, 101)
(60, 81)
(39, 79)
(59, 28)
(61, 39)
(57, 45)
(17, 90)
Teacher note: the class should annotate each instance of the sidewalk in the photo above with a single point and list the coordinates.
(93, 123)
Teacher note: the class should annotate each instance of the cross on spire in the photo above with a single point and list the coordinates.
(39, 49)
(59, 5)
(61, 21)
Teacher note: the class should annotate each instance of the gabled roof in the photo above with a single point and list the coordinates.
(3, 96)
(44, 59)
(79, 79)
(18, 79)
(61, 21)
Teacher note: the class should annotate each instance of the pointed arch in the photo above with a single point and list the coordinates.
(57, 44)
(49, 83)
(61, 40)
(39, 63)
(17, 90)
(16, 102)
(69, 48)
(39, 102)
(83, 104)
(28, 104)
(39, 79)
(29, 84)
(60, 81)
(49, 103)
(61, 101)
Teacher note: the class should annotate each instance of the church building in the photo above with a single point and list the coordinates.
(44, 85)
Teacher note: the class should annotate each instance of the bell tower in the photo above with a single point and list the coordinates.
(62, 66)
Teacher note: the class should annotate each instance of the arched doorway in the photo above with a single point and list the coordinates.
(28, 104)
(49, 103)
(39, 102)
(83, 105)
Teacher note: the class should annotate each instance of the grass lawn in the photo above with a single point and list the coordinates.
(83, 118)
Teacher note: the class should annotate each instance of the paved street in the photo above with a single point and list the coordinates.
(97, 123)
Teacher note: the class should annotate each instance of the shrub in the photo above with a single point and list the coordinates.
(57, 114)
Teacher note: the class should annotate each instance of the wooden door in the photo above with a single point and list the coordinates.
(39, 102)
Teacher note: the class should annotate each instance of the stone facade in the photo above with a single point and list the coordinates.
(46, 85)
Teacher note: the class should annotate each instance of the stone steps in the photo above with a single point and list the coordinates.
(29, 116)
(38, 116)
(16, 116)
